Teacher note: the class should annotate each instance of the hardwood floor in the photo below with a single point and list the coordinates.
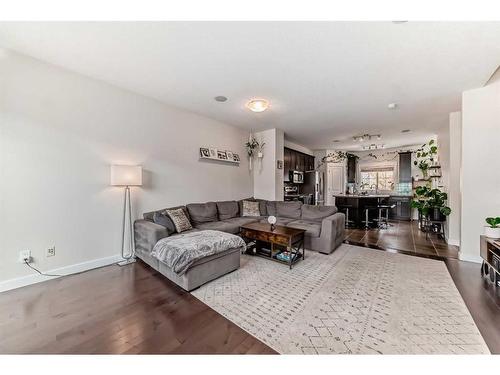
(119, 310)
(405, 237)
(134, 309)
(481, 297)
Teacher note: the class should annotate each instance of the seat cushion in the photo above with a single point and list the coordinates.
(279, 221)
(317, 213)
(202, 212)
(312, 228)
(289, 209)
(227, 209)
(239, 221)
(223, 226)
(271, 208)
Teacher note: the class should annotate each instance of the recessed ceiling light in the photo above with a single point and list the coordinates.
(335, 141)
(220, 98)
(392, 106)
(257, 105)
(399, 22)
(405, 131)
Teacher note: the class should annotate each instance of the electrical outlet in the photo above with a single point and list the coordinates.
(25, 255)
(51, 251)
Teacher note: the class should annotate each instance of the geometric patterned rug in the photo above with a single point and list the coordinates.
(354, 301)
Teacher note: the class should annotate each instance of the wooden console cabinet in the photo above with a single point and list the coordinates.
(490, 252)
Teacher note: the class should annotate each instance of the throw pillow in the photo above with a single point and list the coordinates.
(180, 219)
(163, 219)
(250, 208)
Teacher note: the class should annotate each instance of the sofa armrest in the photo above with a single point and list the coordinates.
(332, 232)
(147, 234)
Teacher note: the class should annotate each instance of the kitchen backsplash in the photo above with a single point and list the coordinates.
(403, 188)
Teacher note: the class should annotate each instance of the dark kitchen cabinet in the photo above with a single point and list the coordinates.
(309, 162)
(286, 164)
(351, 168)
(301, 164)
(402, 209)
(293, 161)
(405, 167)
(296, 161)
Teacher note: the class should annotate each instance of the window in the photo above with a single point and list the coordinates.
(377, 179)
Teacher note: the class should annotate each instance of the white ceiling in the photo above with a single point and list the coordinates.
(325, 80)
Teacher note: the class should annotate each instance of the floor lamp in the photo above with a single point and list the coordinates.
(127, 175)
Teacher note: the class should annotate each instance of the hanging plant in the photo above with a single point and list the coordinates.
(253, 146)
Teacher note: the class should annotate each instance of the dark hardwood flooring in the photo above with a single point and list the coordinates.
(134, 309)
(481, 297)
(405, 237)
(118, 310)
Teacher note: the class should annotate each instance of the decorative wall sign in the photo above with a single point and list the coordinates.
(220, 155)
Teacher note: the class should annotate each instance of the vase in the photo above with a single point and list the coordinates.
(250, 163)
(425, 173)
(492, 232)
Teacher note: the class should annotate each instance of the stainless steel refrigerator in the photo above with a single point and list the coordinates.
(317, 178)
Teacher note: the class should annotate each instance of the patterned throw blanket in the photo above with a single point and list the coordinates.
(181, 251)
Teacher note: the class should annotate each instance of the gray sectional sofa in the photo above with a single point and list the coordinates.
(324, 226)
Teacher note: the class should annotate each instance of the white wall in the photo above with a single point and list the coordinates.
(480, 177)
(280, 155)
(454, 183)
(267, 179)
(60, 131)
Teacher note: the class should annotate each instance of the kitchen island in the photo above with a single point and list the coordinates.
(356, 203)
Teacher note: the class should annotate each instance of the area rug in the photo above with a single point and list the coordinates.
(354, 301)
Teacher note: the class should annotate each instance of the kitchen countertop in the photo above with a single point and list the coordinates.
(361, 195)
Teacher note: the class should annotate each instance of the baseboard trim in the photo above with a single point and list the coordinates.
(470, 258)
(64, 271)
(452, 241)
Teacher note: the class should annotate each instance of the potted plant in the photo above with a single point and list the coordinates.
(425, 157)
(492, 230)
(253, 146)
(431, 203)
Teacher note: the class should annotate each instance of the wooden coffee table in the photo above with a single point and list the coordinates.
(271, 243)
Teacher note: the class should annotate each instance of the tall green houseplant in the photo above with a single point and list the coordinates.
(425, 157)
(431, 203)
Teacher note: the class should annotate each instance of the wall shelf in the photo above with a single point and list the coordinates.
(221, 160)
(225, 156)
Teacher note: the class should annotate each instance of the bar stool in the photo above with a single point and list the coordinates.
(383, 222)
(345, 208)
(367, 216)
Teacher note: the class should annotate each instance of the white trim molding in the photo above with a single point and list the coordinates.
(64, 271)
(469, 258)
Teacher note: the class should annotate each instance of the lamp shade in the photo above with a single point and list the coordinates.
(126, 175)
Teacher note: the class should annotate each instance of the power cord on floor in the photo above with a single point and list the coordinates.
(40, 272)
(54, 275)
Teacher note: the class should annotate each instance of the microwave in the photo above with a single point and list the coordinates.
(297, 177)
